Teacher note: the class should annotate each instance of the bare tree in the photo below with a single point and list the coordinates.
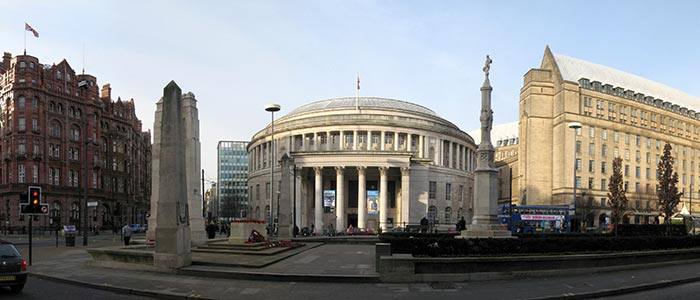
(668, 179)
(617, 200)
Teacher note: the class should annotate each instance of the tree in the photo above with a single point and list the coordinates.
(617, 200)
(668, 191)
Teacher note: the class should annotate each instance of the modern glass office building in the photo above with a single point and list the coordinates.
(232, 174)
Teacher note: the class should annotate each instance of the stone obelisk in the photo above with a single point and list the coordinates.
(485, 221)
(192, 165)
(172, 232)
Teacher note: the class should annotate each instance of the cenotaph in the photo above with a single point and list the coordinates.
(172, 221)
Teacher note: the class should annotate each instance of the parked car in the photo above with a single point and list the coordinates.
(13, 267)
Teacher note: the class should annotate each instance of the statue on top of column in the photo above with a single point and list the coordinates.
(487, 65)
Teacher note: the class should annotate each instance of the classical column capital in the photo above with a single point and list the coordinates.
(318, 171)
(361, 170)
(405, 171)
(383, 171)
(340, 170)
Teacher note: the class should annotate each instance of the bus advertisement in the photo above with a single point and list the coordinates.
(535, 219)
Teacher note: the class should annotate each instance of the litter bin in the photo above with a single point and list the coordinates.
(70, 239)
(70, 235)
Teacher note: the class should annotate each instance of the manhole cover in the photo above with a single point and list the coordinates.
(442, 286)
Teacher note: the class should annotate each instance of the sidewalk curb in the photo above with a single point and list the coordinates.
(267, 276)
(621, 291)
(118, 289)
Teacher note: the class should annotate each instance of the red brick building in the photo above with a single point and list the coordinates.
(50, 118)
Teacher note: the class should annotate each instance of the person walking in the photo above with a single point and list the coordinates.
(126, 233)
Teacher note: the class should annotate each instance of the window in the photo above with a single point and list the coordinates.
(432, 189)
(603, 184)
(22, 124)
(35, 174)
(578, 182)
(590, 183)
(637, 172)
(591, 166)
(603, 202)
(578, 164)
(591, 132)
(448, 215)
(35, 125)
(604, 134)
(448, 191)
(578, 146)
(21, 102)
(432, 215)
(616, 152)
(627, 154)
(604, 150)
(627, 171)
(591, 149)
(616, 136)
(20, 173)
(603, 167)
(627, 138)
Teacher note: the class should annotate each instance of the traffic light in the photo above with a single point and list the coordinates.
(35, 199)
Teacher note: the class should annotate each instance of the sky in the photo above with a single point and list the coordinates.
(237, 56)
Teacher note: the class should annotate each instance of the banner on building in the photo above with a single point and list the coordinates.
(372, 202)
(329, 198)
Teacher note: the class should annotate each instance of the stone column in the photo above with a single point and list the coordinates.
(421, 153)
(383, 205)
(316, 142)
(155, 172)
(173, 232)
(396, 141)
(361, 197)
(318, 200)
(354, 140)
(382, 140)
(328, 140)
(341, 141)
(340, 199)
(404, 204)
(450, 162)
(409, 141)
(298, 202)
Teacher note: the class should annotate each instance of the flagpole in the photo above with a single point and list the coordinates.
(25, 38)
(357, 94)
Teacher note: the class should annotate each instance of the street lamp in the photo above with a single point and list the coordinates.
(575, 126)
(272, 108)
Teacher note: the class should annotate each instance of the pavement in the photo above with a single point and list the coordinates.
(345, 271)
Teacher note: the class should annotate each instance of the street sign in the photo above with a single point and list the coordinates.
(92, 204)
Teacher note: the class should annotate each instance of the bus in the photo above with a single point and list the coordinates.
(536, 219)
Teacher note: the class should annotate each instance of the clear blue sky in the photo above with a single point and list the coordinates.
(236, 56)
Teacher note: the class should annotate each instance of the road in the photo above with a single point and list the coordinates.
(37, 288)
(680, 292)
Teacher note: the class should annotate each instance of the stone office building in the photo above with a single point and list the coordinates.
(367, 162)
(50, 118)
(623, 115)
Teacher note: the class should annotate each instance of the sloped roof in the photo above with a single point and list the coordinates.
(573, 69)
(498, 132)
(363, 102)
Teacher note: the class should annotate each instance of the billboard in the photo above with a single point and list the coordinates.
(372, 202)
(329, 198)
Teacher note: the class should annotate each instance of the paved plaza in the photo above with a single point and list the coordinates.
(344, 271)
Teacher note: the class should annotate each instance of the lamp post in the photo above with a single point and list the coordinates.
(272, 108)
(575, 126)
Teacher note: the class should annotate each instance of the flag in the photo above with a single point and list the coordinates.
(358, 83)
(29, 28)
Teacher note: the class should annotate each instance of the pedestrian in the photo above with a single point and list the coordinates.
(313, 229)
(424, 223)
(126, 233)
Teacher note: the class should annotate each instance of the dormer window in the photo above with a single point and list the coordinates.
(597, 86)
(608, 88)
(584, 83)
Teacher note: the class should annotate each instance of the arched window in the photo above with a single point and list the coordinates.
(22, 65)
(55, 128)
(257, 212)
(75, 133)
(74, 213)
(55, 213)
(432, 214)
(448, 215)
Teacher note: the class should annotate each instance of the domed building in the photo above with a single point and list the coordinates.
(367, 162)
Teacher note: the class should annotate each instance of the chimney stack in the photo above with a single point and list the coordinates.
(106, 91)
